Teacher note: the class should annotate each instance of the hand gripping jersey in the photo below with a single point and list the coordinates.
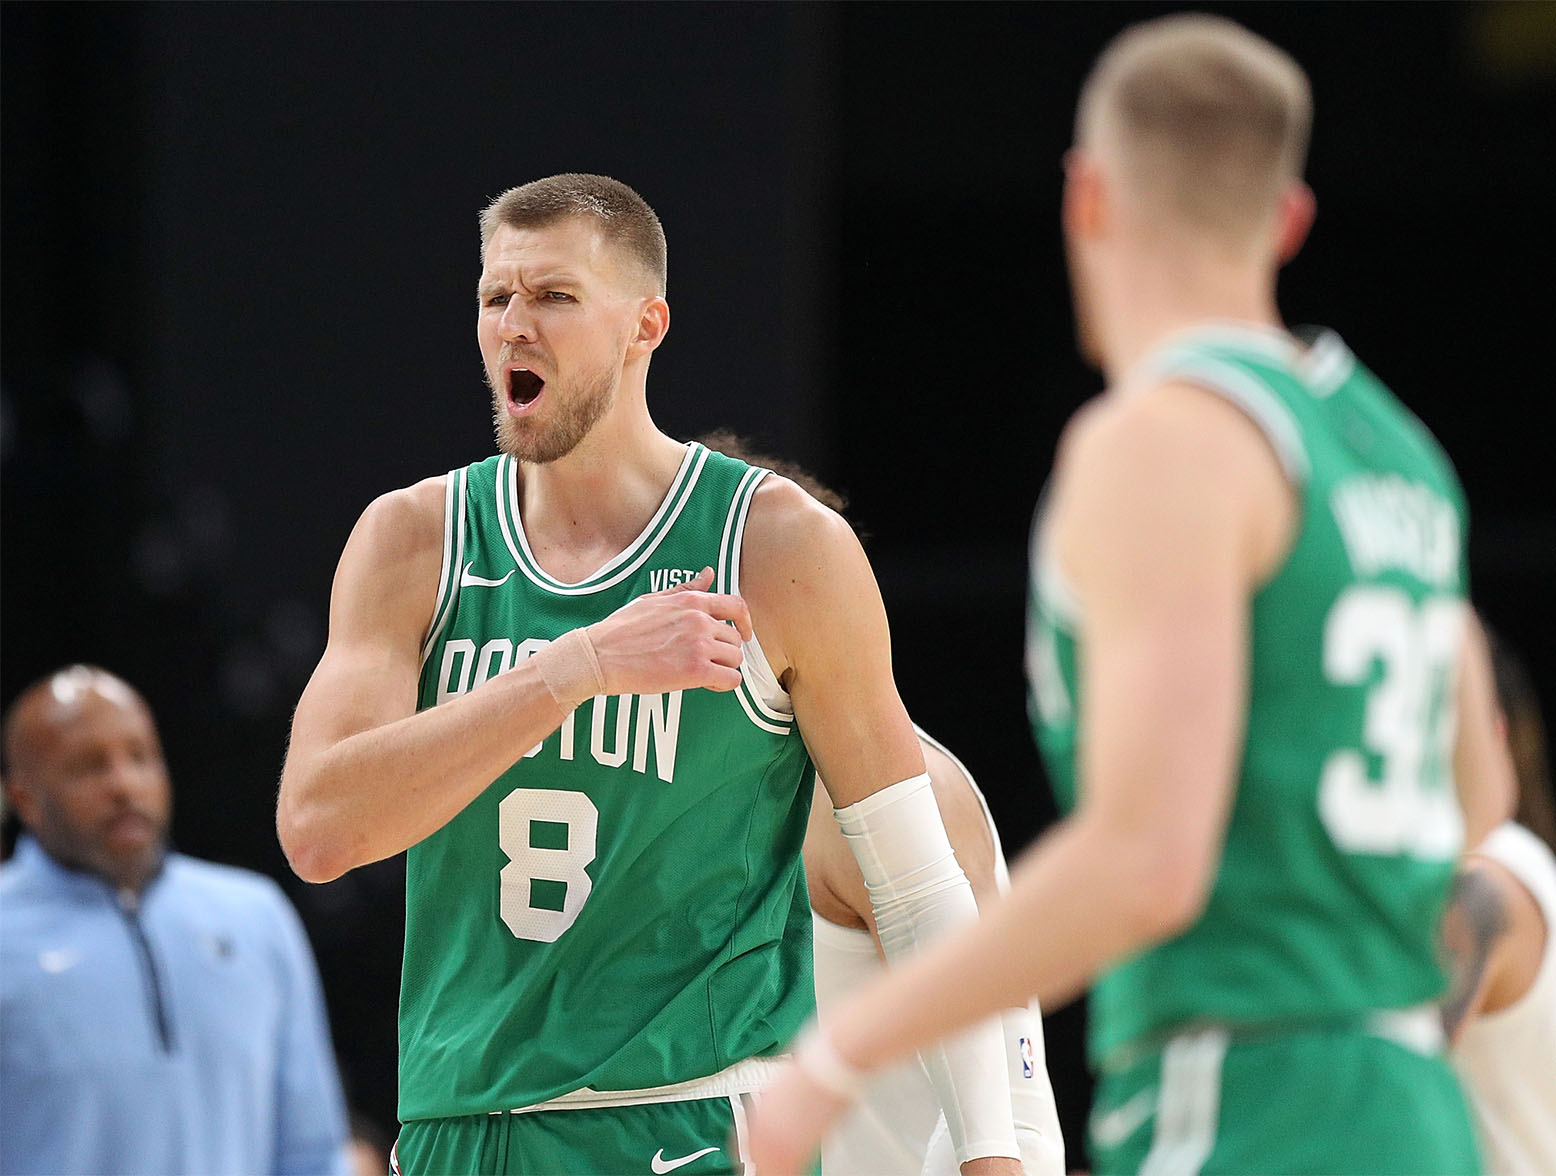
(624, 908)
(1342, 837)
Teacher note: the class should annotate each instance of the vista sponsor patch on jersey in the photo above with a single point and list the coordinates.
(661, 578)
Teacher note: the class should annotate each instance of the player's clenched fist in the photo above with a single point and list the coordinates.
(682, 638)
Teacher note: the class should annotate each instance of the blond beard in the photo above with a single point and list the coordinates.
(572, 418)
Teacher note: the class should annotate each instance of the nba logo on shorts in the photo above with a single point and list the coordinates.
(1025, 1045)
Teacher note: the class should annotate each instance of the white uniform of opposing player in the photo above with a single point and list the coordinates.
(897, 1128)
(1507, 1058)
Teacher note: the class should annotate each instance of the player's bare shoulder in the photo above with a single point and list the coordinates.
(405, 523)
(393, 560)
(1138, 418)
(797, 556)
(1160, 474)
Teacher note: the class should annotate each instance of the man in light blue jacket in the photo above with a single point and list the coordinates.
(158, 1014)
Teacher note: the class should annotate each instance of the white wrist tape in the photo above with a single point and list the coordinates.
(570, 669)
(819, 1061)
(918, 892)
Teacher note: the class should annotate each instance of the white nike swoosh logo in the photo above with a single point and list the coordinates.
(467, 579)
(660, 1165)
(1113, 1127)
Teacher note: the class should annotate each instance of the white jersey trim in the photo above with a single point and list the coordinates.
(1188, 1106)
(1327, 364)
(1269, 343)
(737, 1108)
(727, 578)
(765, 702)
(745, 1077)
(625, 562)
(453, 558)
(1261, 405)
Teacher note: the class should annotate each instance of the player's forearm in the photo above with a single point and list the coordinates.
(1080, 900)
(919, 895)
(967, 1070)
(378, 792)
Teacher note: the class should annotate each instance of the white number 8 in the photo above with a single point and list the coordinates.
(556, 868)
(1409, 724)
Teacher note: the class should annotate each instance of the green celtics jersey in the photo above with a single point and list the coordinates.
(624, 907)
(1345, 825)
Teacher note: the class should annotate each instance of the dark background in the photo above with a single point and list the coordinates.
(238, 263)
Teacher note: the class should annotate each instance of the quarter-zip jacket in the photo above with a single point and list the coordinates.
(180, 1030)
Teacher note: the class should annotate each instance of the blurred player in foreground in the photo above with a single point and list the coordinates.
(1255, 679)
(898, 1128)
(1500, 930)
(582, 682)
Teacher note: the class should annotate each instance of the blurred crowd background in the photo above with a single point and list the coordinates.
(240, 253)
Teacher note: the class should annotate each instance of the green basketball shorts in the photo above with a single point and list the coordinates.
(1329, 1100)
(697, 1137)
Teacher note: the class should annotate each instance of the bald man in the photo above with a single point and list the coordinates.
(158, 1014)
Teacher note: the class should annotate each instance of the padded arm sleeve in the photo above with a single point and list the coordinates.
(918, 892)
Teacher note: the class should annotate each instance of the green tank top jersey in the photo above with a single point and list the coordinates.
(1345, 826)
(624, 907)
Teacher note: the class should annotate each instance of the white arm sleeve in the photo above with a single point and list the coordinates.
(918, 892)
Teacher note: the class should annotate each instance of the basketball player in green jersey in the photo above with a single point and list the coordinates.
(1255, 679)
(582, 682)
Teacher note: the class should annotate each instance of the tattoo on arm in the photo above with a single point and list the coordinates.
(1473, 923)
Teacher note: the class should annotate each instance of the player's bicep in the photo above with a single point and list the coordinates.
(355, 687)
(1163, 727)
(811, 590)
(1157, 528)
(845, 698)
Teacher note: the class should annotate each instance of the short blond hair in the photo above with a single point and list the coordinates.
(1206, 121)
(624, 219)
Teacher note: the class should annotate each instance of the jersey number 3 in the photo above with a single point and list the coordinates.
(549, 837)
(1408, 728)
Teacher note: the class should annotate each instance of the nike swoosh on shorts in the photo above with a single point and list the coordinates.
(660, 1165)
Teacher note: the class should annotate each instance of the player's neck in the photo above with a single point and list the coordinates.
(593, 502)
(1161, 295)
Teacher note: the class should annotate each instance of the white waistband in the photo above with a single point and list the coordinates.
(1419, 1028)
(741, 1078)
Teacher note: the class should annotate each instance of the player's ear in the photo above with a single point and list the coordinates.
(653, 324)
(19, 798)
(1294, 219)
(1084, 208)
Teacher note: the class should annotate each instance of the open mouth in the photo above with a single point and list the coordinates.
(524, 387)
